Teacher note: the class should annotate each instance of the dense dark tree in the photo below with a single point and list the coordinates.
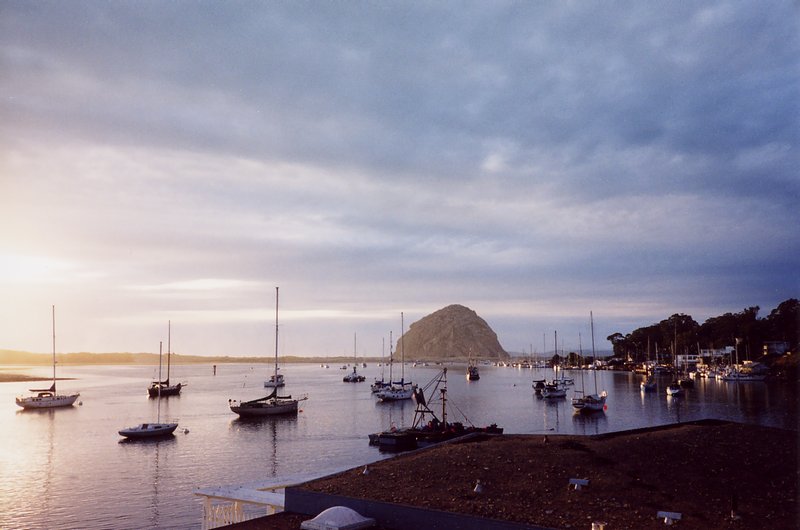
(680, 333)
(784, 322)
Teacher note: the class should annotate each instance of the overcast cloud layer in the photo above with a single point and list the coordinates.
(532, 161)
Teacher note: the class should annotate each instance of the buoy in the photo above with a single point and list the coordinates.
(186, 431)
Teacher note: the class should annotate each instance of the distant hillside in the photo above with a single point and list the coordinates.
(27, 359)
(454, 332)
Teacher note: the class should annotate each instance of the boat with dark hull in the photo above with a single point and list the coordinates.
(151, 430)
(272, 404)
(163, 388)
(427, 429)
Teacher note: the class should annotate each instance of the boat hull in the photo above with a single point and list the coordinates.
(166, 390)
(262, 409)
(46, 402)
(149, 430)
(394, 394)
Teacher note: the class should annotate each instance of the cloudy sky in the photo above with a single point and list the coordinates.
(534, 161)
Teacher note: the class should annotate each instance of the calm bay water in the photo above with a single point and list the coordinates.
(68, 468)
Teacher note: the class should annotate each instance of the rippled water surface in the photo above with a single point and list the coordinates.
(68, 468)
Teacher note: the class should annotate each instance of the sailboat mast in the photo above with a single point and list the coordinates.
(402, 350)
(594, 355)
(169, 348)
(276, 335)
(54, 349)
(555, 350)
(391, 357)
(580, 349)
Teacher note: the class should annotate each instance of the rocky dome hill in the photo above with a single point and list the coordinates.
(454, 332)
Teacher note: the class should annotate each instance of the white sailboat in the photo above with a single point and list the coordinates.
(398, 390)
(151, 430)
(273, 404)
(47, 398)
(592, 402)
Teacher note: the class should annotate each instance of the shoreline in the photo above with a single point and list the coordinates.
(22, 378)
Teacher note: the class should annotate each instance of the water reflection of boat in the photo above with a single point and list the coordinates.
(48, 398)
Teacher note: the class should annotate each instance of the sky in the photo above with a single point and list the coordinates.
(534, 161)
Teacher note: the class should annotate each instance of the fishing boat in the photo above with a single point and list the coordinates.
(163, 388)
(591, 402)
(427, 428)
(48, 398)
(272, 404)
(151, 430)
(398, 390)
(354, 376)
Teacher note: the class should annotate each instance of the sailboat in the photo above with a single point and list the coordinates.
(555, 388)
(674, 388)
(272, 404)
(47, 398)
(592, 402)
(163, 388)
(398, 390)
(151, 430)
(377, 386)
(649, 384)
(354, 376)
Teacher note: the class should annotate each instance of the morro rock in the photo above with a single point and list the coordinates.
(454, 332)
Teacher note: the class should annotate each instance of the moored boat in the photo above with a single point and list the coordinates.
(163, 388)
(423, 433)
(397, 390)
(151, 430)
(47, 398)
(272, 404)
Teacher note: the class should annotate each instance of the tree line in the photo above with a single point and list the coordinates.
(681, 334)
